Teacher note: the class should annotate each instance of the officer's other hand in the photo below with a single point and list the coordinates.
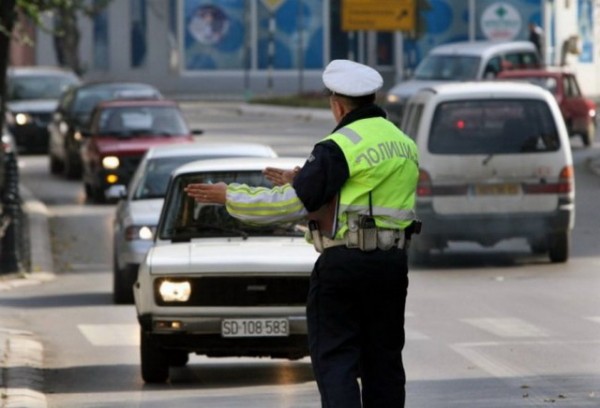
(207, 193)
(280, 177)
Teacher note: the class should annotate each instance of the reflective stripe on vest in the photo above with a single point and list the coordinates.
(381, 160)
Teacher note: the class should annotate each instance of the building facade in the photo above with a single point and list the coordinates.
(237, 48)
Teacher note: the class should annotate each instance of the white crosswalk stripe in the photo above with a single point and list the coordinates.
(507, 327)
(111, 334)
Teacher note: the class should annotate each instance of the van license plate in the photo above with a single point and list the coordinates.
(497, 189)
(255, 328)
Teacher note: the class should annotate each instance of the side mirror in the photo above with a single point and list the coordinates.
(197, 132)
(116, 192)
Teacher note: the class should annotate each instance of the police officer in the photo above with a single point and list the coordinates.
(358, 189)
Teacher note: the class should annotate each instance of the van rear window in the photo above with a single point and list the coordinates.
(495, 126)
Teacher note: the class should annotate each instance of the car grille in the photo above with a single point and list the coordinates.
(43, 118)
(129, 164)
(242, 291)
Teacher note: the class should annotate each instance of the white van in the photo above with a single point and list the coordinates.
(495, 163)
(461, 61)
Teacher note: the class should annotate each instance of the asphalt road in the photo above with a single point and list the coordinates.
(493, 328)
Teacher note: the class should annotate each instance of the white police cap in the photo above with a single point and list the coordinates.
(350, 78)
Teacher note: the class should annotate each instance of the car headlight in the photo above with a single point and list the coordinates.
(592, 113)
(135, 232)
(175, 291)
(23, 119)
(110, 162)
(393, 98)
(19, 118)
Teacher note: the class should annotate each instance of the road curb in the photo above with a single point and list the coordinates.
(22, 362)
(21, 355)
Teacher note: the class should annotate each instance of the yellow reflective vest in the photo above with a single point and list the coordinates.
(383, 163)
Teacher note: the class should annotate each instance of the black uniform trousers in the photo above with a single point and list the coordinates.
(355, 315)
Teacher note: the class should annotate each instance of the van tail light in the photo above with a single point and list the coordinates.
(564, 185)
(424, 185)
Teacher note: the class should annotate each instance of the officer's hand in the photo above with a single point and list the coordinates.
(280, 177)
(207, 193)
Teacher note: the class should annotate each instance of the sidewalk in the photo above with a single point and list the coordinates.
(21, 355)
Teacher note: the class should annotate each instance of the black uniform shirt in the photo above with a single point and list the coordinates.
(326, 169)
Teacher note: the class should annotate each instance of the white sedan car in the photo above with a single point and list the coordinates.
(214, 286)
(138, 211)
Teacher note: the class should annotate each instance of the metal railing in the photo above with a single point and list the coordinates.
(12, 220)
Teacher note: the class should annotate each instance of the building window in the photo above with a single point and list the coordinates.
(290, 34)
(101, 40)
(214, 34)
(138, 32)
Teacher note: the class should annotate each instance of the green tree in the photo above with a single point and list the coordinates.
(65, 30)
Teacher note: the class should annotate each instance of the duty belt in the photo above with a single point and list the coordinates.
(386, 239)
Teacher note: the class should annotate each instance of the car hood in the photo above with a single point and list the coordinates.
(135, 145)
(36, 105)
(218, 255)
(144, 212)
(408, 88)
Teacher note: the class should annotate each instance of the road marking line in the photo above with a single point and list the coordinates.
(488, 364)
(595, 319)
(507, 327)
(415, 335)
(476, 353)
(111, 334)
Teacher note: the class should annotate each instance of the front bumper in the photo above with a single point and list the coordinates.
(122, 178)
(202, 335)
(31, 137)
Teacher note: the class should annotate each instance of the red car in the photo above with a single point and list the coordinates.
(578, 111)
(119, 133)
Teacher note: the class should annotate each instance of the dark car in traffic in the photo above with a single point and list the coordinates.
(32, 96)
(72, 116)
(120, 132)
(578, 111)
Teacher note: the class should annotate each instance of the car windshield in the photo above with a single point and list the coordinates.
(184, 219)
(25, 88)
(448, 67)
(496, 126)
(87, 99)
(155, 180)
(133, 121)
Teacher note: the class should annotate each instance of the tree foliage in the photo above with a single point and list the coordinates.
(65, 30)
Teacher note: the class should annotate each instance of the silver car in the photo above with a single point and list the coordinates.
(138, 211)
